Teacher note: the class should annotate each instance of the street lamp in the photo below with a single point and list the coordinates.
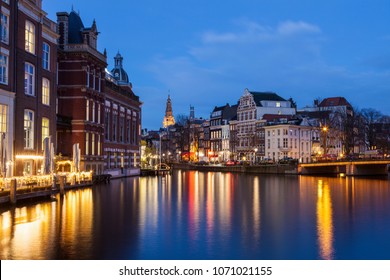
(254, 159)
(325, 132)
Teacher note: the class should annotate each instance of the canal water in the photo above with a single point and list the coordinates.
(206, 215)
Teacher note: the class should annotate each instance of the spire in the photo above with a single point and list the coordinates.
(168, 119)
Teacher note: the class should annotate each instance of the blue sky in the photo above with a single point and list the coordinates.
(205, 53)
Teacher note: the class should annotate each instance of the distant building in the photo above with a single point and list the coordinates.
(252, 107)
(168, 118)
(219, 132)
(296, 140)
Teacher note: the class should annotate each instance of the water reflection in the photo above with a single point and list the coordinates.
(324, 220)
(206, 215)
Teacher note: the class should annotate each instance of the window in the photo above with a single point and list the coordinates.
(93, 143)
(28, 129)
(86, 143)
(98, 145)
(99, 112)
(121, 129)
(46, 56)
(45, 129)
(45, 91)
(114, 127)
(4, 35)
(87, 110)
(277, 104)
(30, 37)
(87, 76)
(3, 69)
(93, 111)
(29, 78)
(107, 126)
(128, 131)
(3, 117)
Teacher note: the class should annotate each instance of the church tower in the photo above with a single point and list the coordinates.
(168, 119)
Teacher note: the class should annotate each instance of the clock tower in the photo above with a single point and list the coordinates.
(168, 119)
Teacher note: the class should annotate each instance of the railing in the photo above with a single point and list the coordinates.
(43, 181)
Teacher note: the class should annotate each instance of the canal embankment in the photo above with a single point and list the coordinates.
(282, 169)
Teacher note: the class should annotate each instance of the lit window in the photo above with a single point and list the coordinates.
(4, 35)
(28, 129)
(45, 129)
(46, 56)
(30, 37)
(29, 77)
(93, 144)
(3, 118)
(87, 143)
(87, 111)
(3, 69)
(45, 91)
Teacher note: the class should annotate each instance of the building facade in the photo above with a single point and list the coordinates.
(8, 37)
(251, 109)
(122, 122)
(300, 142)
(81, 92)
(35, 71)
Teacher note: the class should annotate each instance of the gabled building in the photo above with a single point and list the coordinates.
(81, 91)
(219, 131)
(252, 107)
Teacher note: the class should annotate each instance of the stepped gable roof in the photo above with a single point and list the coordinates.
(334, 101)
(75, 27)
(265, 96)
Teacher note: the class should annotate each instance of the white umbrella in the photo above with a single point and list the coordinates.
(46, 155)
(76, 157)
(3, 155)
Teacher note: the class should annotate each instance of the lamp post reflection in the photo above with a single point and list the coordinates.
(324, 221)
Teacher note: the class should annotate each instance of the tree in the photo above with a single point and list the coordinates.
(370, 118)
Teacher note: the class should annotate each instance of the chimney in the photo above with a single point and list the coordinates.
(63, 28)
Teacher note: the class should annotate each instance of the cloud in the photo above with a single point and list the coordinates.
(289, 28)
(287, 58)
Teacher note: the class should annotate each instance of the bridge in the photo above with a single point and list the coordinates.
(349, 168)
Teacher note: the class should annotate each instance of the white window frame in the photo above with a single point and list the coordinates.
(28, 129)
(30, 37)
(4, 28)
(4, 69)
(46, 56)
(46, 91)
(29, 79)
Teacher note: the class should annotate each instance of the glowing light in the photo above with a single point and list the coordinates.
(28, 157)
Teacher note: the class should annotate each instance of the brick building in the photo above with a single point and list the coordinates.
(32, 59)
(7, 83)
(81, 87)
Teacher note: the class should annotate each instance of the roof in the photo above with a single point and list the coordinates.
(75, 27)
(265, 96)
(333, 102)
(273, 117)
